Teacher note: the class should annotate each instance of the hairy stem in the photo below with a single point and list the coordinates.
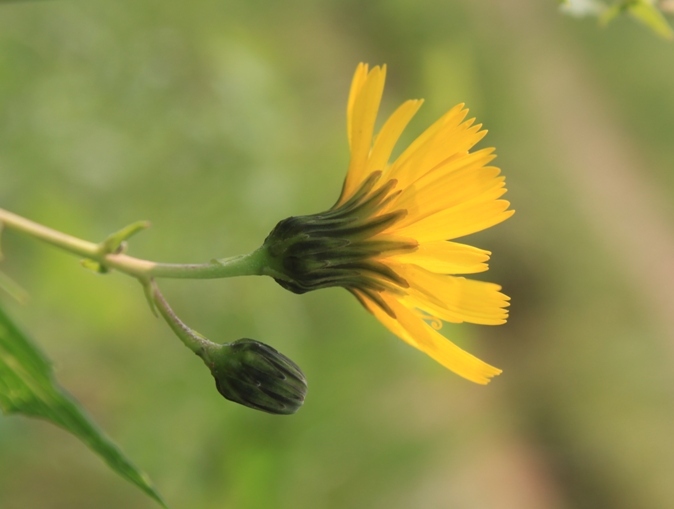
(190, 338)
(254, 263)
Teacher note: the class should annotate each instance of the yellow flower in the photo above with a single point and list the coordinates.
(389, 238)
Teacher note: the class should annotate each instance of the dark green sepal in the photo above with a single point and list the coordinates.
(339, 247)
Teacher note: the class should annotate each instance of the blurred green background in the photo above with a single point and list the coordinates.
(214, 120)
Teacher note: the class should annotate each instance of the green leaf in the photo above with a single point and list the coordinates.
(27, 387)
(644, 11)
(114, 243)
(648, 14)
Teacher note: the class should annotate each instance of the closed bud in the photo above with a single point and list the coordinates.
(256, 375)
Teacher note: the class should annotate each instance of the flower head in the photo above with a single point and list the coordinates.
(389, 239)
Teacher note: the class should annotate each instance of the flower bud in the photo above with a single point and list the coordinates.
(256, 375)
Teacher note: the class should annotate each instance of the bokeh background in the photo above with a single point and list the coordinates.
(214, 120)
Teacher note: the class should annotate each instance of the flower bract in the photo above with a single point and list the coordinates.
(256, 375)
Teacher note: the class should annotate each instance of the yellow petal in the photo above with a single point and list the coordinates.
(453, 299)
(464, 186)
(389, 134)
(443, 257)
(450, 119)
(414, 331)
(463, 164)
(363, 117)
(448, 140)
(356, 86)
(446, 145)
(470, 217)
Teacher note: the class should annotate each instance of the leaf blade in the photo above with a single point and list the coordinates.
(27, 387)
(649, 15)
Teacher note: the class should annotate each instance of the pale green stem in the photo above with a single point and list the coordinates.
(254, 263)
(190, 338)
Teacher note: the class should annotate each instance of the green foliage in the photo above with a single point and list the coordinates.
(645, 11)
(27, 387)
(642, 10)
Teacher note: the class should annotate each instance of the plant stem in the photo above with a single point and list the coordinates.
(254, 263)
(190, 338)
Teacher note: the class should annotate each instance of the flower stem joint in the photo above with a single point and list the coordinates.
(339, 247)
(255, 375)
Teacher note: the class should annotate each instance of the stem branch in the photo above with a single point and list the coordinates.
(254, 263)
(190, 338)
